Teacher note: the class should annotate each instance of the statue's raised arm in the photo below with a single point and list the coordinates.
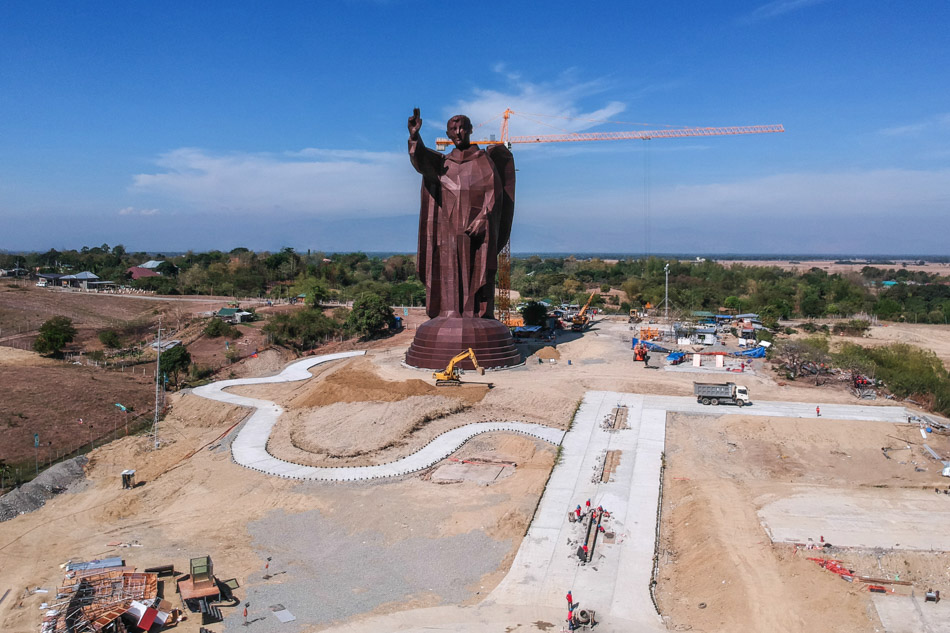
(415, 124)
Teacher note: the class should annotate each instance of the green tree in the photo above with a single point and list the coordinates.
(174, 361)
(887, 308)
(315, 290)
(303, 328)
(369, 315)
(534, 313)
(218, 327)
(812, 305)
(167, 268)
(55, 334)
(110, 339)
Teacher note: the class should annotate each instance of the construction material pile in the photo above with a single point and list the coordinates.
(94, 594)
(32, 495)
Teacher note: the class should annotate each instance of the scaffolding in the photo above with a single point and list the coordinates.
(92, 599)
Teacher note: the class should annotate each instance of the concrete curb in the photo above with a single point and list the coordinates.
(249, 448)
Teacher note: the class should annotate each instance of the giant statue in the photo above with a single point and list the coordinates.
(464, 221)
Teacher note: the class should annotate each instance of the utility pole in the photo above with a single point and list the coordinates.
(158, 360)
(666, 299)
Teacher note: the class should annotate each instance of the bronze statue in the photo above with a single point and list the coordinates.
(464, 221)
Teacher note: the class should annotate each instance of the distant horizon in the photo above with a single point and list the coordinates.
(382, 254)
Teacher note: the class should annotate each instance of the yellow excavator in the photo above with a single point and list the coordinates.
(449, 377)
(581, 320)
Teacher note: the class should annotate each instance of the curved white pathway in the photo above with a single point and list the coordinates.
(249, 448)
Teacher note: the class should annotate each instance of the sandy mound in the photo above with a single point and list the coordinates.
(547, 353)
(188, 409)
(359, 382)
(331, 431)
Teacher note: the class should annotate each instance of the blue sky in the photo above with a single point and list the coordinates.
(169, 126)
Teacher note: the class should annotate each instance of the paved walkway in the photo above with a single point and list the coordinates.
(779, 409)
(249, 448)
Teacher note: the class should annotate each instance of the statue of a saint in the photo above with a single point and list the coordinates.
(464, 221)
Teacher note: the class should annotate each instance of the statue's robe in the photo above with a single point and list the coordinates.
(464, 221)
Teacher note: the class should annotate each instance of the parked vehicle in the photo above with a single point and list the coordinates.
(721, 393)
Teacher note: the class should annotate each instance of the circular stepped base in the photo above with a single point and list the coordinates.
(438, 340)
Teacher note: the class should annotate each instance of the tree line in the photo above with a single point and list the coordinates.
(888, 293)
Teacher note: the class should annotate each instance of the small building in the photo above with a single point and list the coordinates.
(232, 315)
(137, 272)
(79, 280)
(48, 279)
(166, 345)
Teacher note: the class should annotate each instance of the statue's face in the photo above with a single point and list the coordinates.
(459, 130)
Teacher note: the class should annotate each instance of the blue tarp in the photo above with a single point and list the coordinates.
(528, 328)
(653, 347)
(675, 356)
(755, 352)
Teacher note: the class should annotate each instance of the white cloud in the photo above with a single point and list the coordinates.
(310, 181)
(540, 108)
(936, 123)
(134, 211)
(777, 8)
(874, 197)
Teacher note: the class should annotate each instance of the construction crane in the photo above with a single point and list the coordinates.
(581, 320)
(503, 300)
(643, 135)
(449, 377)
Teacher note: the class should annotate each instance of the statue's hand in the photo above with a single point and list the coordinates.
(415, 124)
(478, 228)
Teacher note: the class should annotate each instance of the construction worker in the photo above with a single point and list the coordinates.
(570, 620)
(818, 411)
(578, 511)
(588, 505)
(570, 600)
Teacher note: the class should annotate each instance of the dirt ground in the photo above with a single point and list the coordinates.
(933, 337)
(831, 267)
(718, 569)
(48, 398)
(195, 501)
(720, 472)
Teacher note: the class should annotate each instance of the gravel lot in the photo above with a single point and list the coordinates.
(323, 573)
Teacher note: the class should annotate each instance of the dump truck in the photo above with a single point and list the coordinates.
(721, 393)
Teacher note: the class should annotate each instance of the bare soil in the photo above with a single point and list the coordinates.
(49, 397)
(802, 266)
(720, 472)
(715, 552)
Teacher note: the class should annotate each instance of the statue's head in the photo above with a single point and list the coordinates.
(459, 130)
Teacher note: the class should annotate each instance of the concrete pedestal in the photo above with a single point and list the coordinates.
(441, 338)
